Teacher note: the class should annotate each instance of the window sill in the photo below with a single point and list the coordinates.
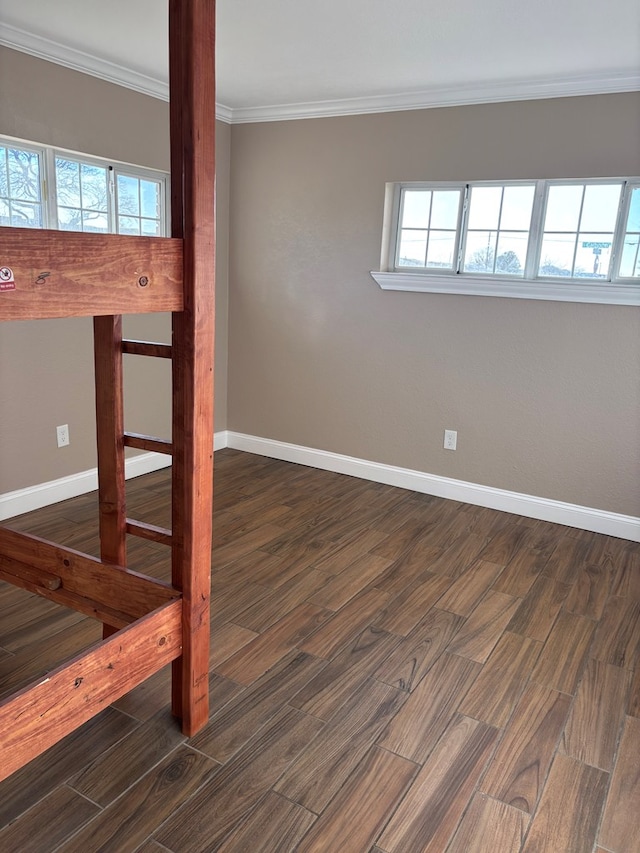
(603, 293)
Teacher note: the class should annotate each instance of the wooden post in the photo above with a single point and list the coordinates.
(107, 334)
(192, 99)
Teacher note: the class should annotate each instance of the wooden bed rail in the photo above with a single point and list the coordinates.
(65, 274)
(40, 564)
(36, 717)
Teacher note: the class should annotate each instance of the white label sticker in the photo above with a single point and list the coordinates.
(7, 281)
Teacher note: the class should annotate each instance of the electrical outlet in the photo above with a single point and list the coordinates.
(62, 434)
(450, 439)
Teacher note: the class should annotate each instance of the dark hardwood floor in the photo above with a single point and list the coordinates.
(391, 673)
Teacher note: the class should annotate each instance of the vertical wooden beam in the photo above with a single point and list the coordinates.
(192, 99)
(107, 336)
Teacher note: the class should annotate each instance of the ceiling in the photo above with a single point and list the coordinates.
(296, 58)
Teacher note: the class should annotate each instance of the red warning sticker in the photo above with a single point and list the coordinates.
(7, 281)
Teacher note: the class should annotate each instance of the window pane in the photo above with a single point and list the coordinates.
(150, 198)
(517, 205)
(593, 255)
(630, 263)
(512, 253)
(600, 208)
(413, 248)
(633, 222)
(68, 182)
(26, 215)
(128, 201)
(95, 221)
(480, 251)
(94, 186)
(5, 215)
(151, 227)
(128, 225)
(484, 207)
(441, 249)
(563, 208)
(415, 208)
(24, 175)
(69, 219)
(4, 184)
(556, 258)
(445, 207)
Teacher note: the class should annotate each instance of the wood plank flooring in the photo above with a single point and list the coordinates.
(391, 673)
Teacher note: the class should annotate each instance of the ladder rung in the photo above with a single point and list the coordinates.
(147, 442)
(149, 531)
(146, 348)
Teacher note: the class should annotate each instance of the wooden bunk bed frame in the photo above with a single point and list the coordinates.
(146, 623)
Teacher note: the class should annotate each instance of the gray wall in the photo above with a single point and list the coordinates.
(545, 395)
(46, 372)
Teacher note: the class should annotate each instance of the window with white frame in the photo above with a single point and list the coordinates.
(41, 187)
(20, 186)
(573, 240)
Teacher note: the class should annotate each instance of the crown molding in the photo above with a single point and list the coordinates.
(436, 96)
(447, 96)
(78, 60)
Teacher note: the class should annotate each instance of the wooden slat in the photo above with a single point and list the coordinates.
(496, 690)
(119, 588)
(490, 825)
(593, 728)
(320, 772)
(147, 348)
(569, 811)
(345, 824)
(237, 787)
(147, 442)
(407, 665)
(415, 729)
(125, 824)
(35, 577)
(149, 531)
(275, 824)
(431, 810)
(38, 716)
(619, 830)
(27, 578)
(65, 274)
(192, 126)
(518, 770)
(561, 660)
(107, 335)
(52, 821)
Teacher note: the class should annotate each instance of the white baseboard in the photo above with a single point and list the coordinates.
(572, 515)
(54, 491)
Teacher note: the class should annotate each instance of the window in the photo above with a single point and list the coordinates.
(579, 226)
(20, 187)
(429, 228)
(630, 257)
(497, 234)
(82, 195)
(574, 240)
(44, 188)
